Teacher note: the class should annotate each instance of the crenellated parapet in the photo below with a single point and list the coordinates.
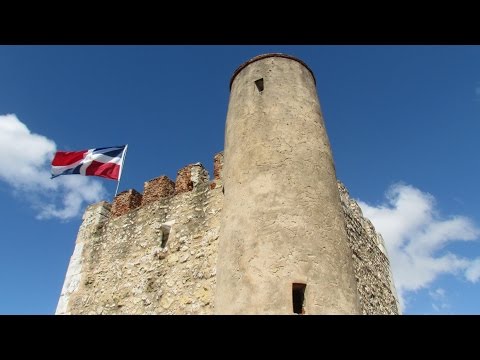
(218, 166)
(125, 201)
(188, 178)
(157, 188)
(149, 253)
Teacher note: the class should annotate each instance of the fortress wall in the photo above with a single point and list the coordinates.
(291, 239)
(157, 258)
(160, 258)
(94, 219)
(370, 261)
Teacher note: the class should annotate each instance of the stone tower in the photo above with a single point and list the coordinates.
(283, 244)
(272, 232)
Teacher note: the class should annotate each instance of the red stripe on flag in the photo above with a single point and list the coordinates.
(64, 158)
(106, 170)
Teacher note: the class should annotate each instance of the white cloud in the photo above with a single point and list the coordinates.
(473, 272)
(440, 299)
(417, 239)
(25, 160)
(437, 294)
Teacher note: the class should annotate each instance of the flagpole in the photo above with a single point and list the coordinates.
(121, 169)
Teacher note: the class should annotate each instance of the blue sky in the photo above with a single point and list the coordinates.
(403, 122)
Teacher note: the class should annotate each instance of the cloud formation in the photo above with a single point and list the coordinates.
(418, 240)
(439, 298)
(473, 272)
(25, 160)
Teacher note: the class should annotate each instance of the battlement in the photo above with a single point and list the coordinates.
(150, 253)
(188, 178)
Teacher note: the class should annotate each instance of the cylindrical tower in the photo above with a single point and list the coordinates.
(282, 244)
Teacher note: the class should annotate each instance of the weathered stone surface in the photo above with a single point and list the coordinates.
(217, 171)
(218, 166)
(283, 221)
(189, 177)
(370, 261)
(157, 188)
(159, 258)
(184, 182)
(126, 201)
(93, 222)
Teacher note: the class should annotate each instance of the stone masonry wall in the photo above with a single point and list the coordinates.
(94, 219)
(157, 255)
(375, 286)
(158, 258)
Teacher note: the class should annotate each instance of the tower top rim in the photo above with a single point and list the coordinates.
(264, 56)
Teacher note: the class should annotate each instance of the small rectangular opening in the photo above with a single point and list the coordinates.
(259, 84)
(298, 297)
(165, 232)
(164, 240)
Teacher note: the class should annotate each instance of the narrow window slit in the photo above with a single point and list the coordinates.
(164, 233)
(259, 84)
(298, 297)
(164, 240)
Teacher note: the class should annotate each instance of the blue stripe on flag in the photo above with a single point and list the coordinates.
(112, 153)
(121, 147)
(75, 170)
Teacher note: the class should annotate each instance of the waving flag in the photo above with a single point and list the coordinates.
(106, 162)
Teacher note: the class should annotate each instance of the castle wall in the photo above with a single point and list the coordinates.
(272, 220)
(94, 219)
(158, 258)
(375, 285)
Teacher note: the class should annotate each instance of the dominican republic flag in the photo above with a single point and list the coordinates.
(105, 162)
